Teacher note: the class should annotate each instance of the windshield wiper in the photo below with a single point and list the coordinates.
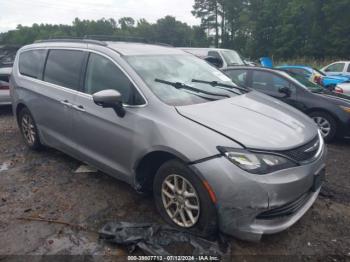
(179, 85)
(216, 83)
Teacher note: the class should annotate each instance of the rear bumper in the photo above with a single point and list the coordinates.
(252, 205)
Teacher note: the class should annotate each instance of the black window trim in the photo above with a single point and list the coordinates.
(78, 92)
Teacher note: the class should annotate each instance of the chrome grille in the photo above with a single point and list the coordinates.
(305, 152)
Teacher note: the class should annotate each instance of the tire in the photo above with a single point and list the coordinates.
(205, 218)
(331, 87)
(325, 121)
(29, 129)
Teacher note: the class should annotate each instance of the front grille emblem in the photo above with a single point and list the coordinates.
(313, 148)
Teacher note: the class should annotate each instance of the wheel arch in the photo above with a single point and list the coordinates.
(18, 109)
(317, 109)
(148, 165)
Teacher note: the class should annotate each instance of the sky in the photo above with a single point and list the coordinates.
(27, 12)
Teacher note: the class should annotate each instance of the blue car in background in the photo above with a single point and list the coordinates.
(315, 75)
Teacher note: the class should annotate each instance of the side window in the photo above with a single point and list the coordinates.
(338, 67)
(268, 82)
(349, 68)
(214, 54)
(102, 74)
(31, 63)
(63, 67)
(300, 72)
(238, 76)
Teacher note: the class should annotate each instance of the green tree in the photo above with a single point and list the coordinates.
(126, 22)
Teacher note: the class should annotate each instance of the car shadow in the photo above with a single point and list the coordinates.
(341, 142)
(6, 110)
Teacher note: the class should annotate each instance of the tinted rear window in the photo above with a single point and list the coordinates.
(31, 63)
(63, 67)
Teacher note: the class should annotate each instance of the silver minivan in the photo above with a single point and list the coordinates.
(215, 155)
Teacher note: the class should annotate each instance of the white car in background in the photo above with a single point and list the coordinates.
(340, 68)
(223, 58)
(343, 88)
(5, 73)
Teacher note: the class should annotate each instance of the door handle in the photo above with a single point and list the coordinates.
(79, 108)
(66, 103)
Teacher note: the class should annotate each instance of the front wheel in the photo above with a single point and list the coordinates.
(326, 123)
(182, 199)
(28, 129)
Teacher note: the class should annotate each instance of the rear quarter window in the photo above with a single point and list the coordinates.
(31, 63)
(63, 67)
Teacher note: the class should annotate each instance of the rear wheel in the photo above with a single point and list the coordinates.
(183, 201)
(28, 129)
(326, 123)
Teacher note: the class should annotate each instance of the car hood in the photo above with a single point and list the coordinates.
(254, 120)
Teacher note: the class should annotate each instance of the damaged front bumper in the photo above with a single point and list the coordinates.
(252, 205)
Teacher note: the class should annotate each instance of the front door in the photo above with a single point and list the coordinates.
(270, 84)
(105, 139)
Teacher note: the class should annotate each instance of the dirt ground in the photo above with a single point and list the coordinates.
(43, 185)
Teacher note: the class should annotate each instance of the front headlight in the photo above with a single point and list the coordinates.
(256, 163)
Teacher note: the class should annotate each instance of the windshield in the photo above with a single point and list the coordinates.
(306, 83)
(232, 57)
(182, 68)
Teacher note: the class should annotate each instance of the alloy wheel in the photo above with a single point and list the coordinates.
(28, 129)
(180, 201)
(323, 124)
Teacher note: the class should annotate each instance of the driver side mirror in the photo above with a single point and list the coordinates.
(215, 61)
(286, 91)
(110, 99)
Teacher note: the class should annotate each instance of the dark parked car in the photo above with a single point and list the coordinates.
(7, 55)
(315, 75)
(329, 110)
(5, 73)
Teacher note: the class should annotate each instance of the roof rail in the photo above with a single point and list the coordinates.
(101, 40)
(72, 40)
(116, 38)
(135, 39)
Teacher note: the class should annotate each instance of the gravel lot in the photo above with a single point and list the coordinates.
(43, 185)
